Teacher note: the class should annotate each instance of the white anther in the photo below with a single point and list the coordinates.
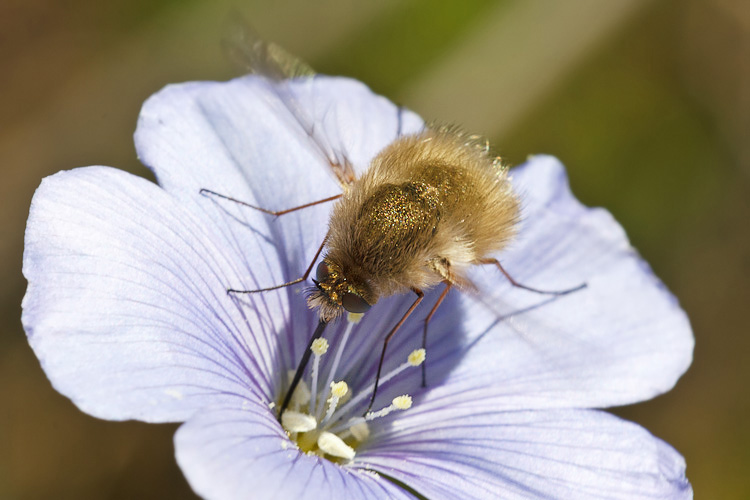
(294, 421)
(319, 347)
(335, 446)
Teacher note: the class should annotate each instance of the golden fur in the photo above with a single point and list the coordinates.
(430, 205)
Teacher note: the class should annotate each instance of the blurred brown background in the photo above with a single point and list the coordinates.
(647, 102)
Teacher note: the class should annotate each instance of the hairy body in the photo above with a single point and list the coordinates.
(429, 206)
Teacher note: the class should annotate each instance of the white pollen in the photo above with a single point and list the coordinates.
(335, 446)
(339, 389)
(360, 431)
(294, 421)
(417, 357)
(319, 347)
(402, 402)
(354, 317)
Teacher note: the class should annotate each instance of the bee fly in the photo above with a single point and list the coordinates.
(429, 206)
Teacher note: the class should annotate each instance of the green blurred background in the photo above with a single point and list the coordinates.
(647, 102)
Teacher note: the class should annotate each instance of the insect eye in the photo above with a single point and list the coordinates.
(354, 303)
(321, 273)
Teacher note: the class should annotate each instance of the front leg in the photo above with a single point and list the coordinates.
(420, 296)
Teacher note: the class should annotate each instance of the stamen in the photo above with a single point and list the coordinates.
(321, 430)
(417, 357)
(338, 391)
(398, 403)
(335, 365)
(294, 421)
(335, 446)
(318, 348)
(402, 402)
(414, 359)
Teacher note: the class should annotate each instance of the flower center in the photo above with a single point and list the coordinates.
(321, 418)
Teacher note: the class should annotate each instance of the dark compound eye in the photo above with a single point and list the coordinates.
(354, 303)
(321, 273)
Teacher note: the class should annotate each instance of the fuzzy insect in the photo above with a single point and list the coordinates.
(429, 206)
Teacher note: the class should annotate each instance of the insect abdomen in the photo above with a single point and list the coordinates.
(427, 199)
(395, 223)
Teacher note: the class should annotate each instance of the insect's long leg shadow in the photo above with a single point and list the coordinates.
(506, 316)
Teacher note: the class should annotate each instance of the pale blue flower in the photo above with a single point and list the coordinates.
(128, 313)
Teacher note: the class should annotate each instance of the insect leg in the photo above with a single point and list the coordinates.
(301, 367)
(535, 290)
(440, 299)
(265, 210)
(420, 296)
(294, 282)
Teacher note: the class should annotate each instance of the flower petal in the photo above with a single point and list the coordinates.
(478, 452)
(238, 450)
(240, 139)
(126, 306)
(622, 339)
(243, 134)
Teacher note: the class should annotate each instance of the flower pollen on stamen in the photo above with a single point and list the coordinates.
(402, 402)
(334, 366)
(333, 445)
(414, 359)
(417, 357)
(314, 421)
(339, 389)
(319, 347)
(294, 421)
(398, 403)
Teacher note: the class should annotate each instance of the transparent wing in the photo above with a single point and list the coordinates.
(273, 63)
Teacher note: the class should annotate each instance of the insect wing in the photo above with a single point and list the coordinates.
(288, 77)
